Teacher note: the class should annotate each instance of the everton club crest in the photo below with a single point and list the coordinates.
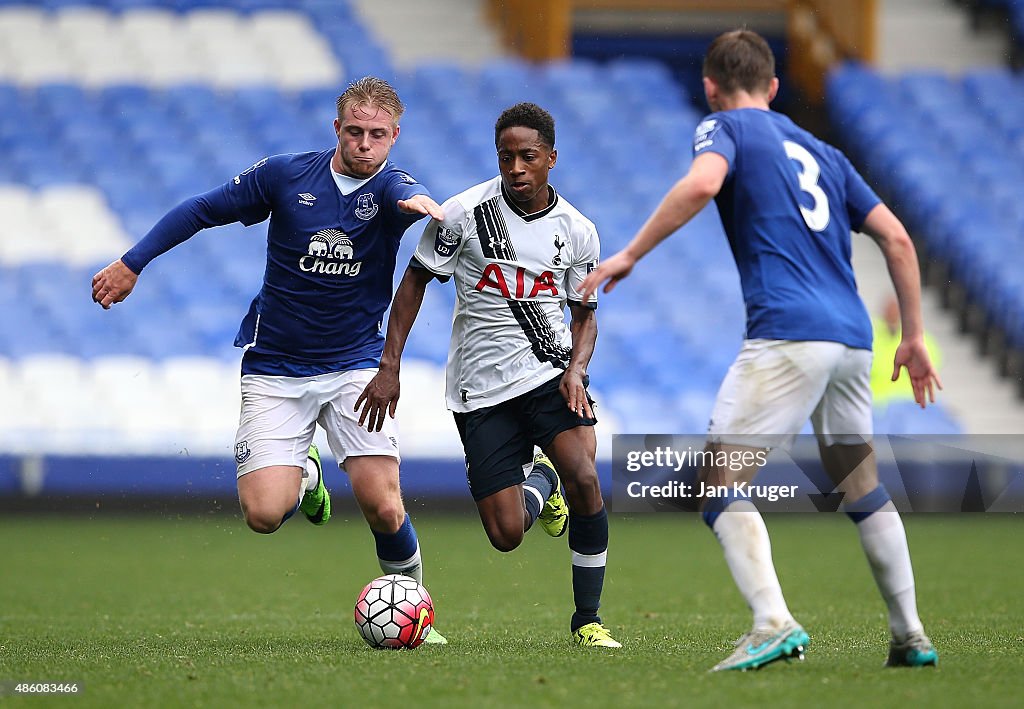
(365, 208)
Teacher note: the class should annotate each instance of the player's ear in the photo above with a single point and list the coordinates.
(552, 158)
(337, 127)
(773, 88)
(710, 89)
(394, 136)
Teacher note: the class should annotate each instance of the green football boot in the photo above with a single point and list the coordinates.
(435, 638)
(316, 503)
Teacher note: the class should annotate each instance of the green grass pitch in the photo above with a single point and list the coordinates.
(198, 611)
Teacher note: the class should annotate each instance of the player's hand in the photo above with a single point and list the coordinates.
(574, 391)
(613, 270)
(913, 355)
(113, 284)
(380, 396)
(422, 204)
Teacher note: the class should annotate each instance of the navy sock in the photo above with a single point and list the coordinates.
(537, 489)
(869, 504)
(288, 515)
(588, 540)
(397, 548)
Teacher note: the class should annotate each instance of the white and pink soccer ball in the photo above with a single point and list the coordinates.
(394, 612)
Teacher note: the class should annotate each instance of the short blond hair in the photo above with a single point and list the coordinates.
(374, 92)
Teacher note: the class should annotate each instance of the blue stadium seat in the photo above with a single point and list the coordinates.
(189, 5)
(506, 82)
(931, 93)
(907, 418)
(993, 88)
(249, 6)
(646, 74)
(339, 11)
(573, 74)
(56, 5)
(946, 152)
(640, 411)
(322, 99)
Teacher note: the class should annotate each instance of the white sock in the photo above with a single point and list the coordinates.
(312, 475)
(309, 480)
(748, 552)
(413, 566)
(885, 543)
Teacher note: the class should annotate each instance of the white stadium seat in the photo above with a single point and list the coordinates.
(153, 46)
(69, 224)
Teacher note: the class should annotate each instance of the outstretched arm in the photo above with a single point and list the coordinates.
(115, 282)
(584, 336)
(422, 204)
(901, 259)
(690, 195)
(381, 393)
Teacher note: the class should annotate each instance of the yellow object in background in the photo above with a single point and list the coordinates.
(887, 335)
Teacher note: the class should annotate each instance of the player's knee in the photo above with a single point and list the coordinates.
(505, 538)
(263, 521)
(505, 542)
(583, 490)
(386, 516)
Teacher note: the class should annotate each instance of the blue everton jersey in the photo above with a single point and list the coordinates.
(787, 206)
(330, 263)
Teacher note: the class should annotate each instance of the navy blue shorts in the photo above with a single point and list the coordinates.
(499, 439)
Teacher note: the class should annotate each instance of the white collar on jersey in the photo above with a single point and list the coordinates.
(552, 200)
(348, 185)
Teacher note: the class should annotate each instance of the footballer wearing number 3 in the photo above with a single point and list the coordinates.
(787, 203)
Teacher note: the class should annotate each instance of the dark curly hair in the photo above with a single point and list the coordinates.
(527, 115)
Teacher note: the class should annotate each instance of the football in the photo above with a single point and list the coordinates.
(394, 612)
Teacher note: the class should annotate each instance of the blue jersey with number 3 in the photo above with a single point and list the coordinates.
(787, 206)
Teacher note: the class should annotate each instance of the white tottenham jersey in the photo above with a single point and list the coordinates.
(514, 274)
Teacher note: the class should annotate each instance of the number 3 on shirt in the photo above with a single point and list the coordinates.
(816, 217)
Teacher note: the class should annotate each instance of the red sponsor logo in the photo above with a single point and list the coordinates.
(493, 277)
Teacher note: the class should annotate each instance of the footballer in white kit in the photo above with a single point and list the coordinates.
(514, 274)
(516, 376)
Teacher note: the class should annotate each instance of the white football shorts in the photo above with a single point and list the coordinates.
(775, 386)
(279, 417)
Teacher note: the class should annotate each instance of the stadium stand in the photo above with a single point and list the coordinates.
(117, 109)
(948, 153)
(1009, 14)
